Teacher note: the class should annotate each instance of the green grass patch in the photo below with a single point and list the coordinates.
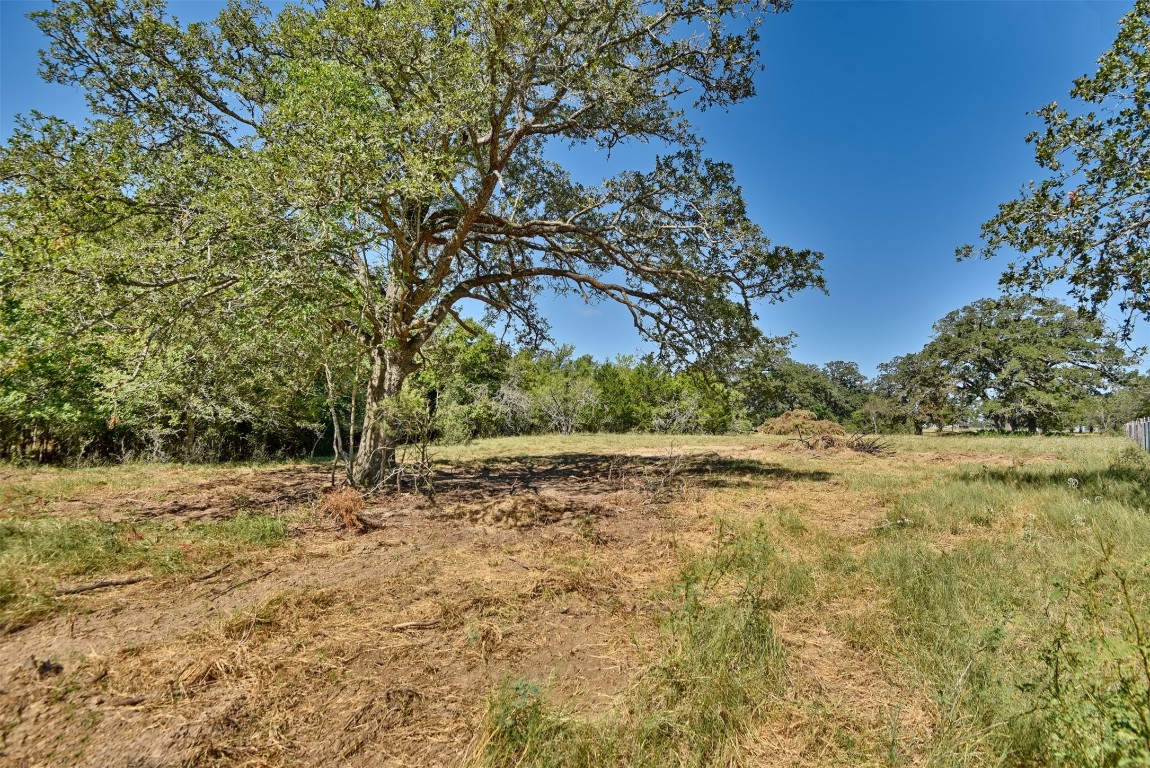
(1033, 653)
(38, 553)
(718, 663)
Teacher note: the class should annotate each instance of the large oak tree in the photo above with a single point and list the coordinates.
(358, 168)
(1024, 361)
(1087, 222)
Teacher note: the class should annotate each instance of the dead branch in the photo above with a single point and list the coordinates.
(215, 572)
(241, 583)
(528, 566)
(425, 624)
(102, 585)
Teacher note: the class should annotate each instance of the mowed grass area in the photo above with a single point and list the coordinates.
(968, 601)
(43, 550)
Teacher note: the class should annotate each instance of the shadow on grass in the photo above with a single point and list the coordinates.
(591, 473)
(1128, 485)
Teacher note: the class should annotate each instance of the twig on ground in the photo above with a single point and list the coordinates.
(131, 701)
(241, 583)
(528, 566)
(425, 624)
(102, 585)
(215, 572)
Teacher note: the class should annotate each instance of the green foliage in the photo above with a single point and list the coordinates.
(484, 391)
(1086, 224)
(1015, 362)
(1094, 694)
(1024, 360)
(769, 382)
(913, 389)
(630, 392)
(264, 186)
(49, 395)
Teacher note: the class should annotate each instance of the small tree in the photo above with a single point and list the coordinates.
(380, 162)
(916, 389)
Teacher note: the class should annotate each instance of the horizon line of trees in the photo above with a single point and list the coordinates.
(1011, 363)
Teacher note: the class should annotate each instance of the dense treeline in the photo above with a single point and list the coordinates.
(216, 391)
(282, 168)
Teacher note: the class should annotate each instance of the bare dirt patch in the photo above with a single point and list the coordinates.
(248, 489)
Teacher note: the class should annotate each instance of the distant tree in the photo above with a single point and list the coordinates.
(880, 413)
(849, 389)
(561, 387)
(1104, 413)
(1126, 403)
(380, 162)
(917, 390)
(630, 390)
(769, 381)
(461, 371)
(1025, 361)
(1088, 222)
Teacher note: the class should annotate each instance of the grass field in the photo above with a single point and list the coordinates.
(588, 601)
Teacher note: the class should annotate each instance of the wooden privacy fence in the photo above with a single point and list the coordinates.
(1139, 432)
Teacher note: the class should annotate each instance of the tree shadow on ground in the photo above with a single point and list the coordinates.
(589, 473)
(1127, 485)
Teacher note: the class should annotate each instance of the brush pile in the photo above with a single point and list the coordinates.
(344, 505)
(868, 444)
(800, 422)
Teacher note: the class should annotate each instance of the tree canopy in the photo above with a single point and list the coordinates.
(353, 171)
(1016, 362)
(1088, 222)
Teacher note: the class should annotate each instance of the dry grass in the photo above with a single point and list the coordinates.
(344, 505)
(548, 592)
(800, 422)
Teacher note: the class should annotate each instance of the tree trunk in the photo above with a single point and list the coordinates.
(374, 458)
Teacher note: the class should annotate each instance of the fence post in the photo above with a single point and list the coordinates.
(1139, 432)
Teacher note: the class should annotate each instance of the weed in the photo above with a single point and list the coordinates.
(1093, 693)
(585, 527)
(525, 730)
(791, 523)
(1130, 459)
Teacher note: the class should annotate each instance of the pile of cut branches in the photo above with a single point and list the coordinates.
(800, 421)
(872, 445)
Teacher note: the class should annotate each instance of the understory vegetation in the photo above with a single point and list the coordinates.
(474, 386)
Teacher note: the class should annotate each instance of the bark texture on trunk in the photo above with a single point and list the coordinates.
(375, 455)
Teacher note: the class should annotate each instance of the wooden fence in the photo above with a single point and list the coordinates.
(1139, 432)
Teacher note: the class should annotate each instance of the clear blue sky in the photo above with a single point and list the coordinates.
(883, 133)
